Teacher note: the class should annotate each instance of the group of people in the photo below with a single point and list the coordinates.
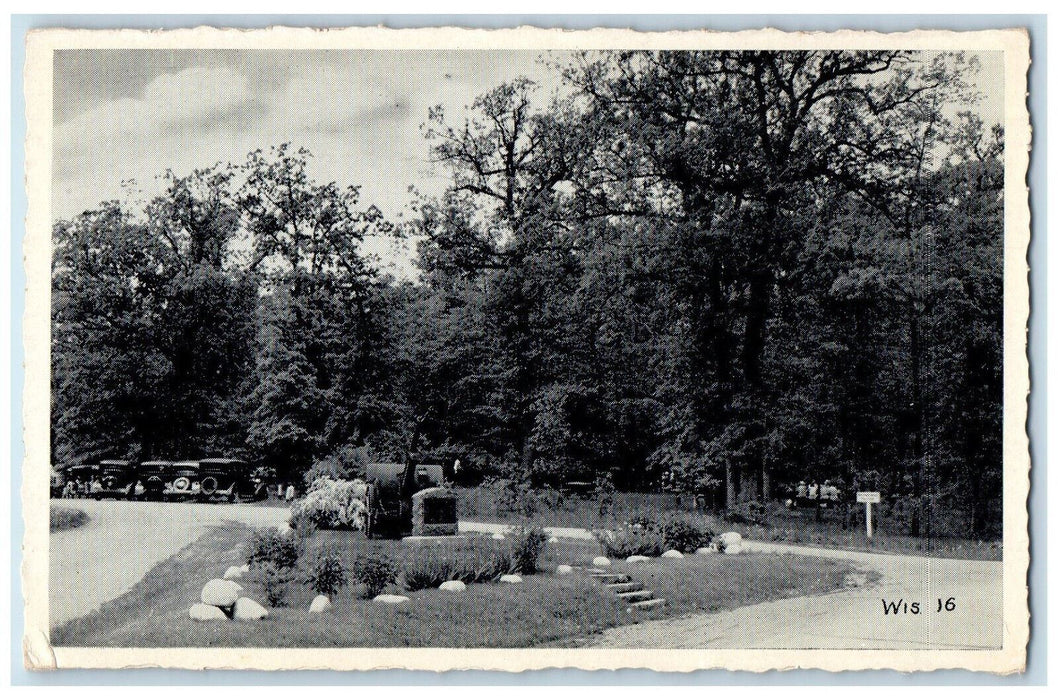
(815, 492)
(79, 488)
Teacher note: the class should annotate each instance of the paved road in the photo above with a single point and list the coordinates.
(849, 619)
(123, 540)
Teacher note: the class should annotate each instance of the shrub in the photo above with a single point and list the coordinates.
(327, 575)
(631, 538)
(274, 581)
(333, 504)
(527, 544)
(373, 574)
(269, 547)
(303, 525)
(67, 519)
(685, 535)
(430, 568)
(748, 513)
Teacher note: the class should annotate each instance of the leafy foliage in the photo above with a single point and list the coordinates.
(269, 547)
(327, 575)
(373, 574)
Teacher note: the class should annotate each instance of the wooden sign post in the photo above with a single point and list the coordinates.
(867, 498)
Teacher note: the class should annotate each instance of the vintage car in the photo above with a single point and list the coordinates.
(116, 479)
(185, 481)
(155, 476)
(230, 480)
(390, 487)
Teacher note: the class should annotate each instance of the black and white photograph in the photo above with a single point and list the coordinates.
(386, 348)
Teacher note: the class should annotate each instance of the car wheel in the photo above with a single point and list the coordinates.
(209, 486)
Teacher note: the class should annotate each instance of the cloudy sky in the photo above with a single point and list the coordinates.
(125, 115)
(130, 115)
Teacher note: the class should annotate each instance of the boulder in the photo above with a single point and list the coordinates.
(320, 603)
(564, 570)
(672, 554)
(233, 572)
(390, 599)
(245, 568)
(600, 561)
(220, 592)
(636, 558)
(730, 538)
(498, 536)
(202, 612)
(734, 549)
(510, 578)
(453, 586)
(249, 609)
(704, 550)
(552, 540)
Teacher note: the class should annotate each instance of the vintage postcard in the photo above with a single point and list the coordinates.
(520, 349)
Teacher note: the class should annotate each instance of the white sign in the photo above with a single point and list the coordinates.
(868, 496)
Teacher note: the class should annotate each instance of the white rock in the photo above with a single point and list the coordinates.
(201, 611)
(454, 586)
(704, 550)
(510, 578)
(245, 568)
(600, 561)
(220, 592)
(564, 570)
(320, 604)
(734, 549)
(233, 572)
(552, 540)
(249, 609)
(672, 554)
(498, 536)
(730, 538)
(391, 599)
(636, 558)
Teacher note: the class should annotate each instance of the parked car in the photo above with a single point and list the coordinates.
(185, 481)
(116, 479)
(155, 476)
(229, 479)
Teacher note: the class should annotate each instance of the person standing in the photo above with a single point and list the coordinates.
(290, 493)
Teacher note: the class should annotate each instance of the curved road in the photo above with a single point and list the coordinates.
(123, 541)
(854, 618)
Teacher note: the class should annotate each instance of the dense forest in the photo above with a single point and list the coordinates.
(707, 272)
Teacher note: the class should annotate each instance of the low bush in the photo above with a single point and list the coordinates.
(333, 504)
(642, 538)
(527, 544)
(372, 574)
(429, 568)
(67, 519)
(274, 581)
(748, 513)
(269, 547)
(685, 535)
(327, 576)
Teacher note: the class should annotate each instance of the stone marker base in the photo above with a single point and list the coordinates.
(434, 538)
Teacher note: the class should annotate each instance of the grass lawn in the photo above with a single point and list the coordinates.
(67, 518)
(488, 504)
(544, 610)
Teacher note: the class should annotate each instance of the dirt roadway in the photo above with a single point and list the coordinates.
(123, 541)
(849, 619)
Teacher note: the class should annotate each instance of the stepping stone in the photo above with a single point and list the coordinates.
(646, 604)
(624, 587)
(612, 578)
(636, 595)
